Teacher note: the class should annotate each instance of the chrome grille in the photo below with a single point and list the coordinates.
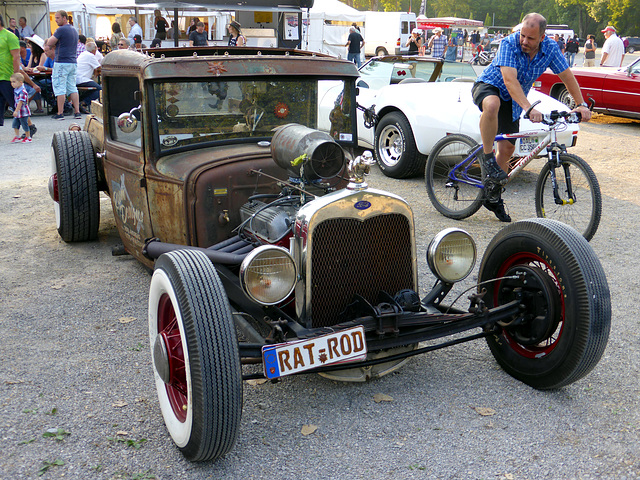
(353, 257)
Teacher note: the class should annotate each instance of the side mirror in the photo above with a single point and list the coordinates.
(127, 122)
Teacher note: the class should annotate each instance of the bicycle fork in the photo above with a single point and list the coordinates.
(554, 162)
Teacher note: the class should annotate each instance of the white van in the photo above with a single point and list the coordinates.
(386, 33)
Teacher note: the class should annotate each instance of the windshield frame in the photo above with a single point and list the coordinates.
(162, 151)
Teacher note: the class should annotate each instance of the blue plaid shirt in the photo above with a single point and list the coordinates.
(511, 55)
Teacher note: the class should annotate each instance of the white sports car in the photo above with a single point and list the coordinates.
(418, 101)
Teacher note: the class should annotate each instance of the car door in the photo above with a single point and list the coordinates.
(124, 164)
(621, 90)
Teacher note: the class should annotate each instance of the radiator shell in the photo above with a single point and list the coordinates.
(351, 242)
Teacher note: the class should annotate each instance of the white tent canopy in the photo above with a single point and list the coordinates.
(326, 27)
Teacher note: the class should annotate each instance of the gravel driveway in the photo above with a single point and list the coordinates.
(76, 361)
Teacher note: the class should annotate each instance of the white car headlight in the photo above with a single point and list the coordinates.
(268, 274)
(451, 255)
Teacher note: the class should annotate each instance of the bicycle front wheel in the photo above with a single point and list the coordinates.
(453, 178)
(579, 193)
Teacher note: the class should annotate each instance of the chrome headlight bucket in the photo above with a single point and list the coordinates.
(268, 274)
(451, 255)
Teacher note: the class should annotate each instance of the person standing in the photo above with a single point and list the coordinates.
(116, 36)
(236, 39)
(571, 48)
(21, 112)
(612, 50)
(198, 37)
(500, 92)
(65, 42)
(24, 30)
(9, 64)
(414, 42)
(12, 27)
(160, 24)
(438, 43)
(134, 29)
(354, 45)
(590, 51)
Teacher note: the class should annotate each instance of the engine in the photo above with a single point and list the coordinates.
(268, 223)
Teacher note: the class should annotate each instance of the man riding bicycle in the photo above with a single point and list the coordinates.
(501, 94)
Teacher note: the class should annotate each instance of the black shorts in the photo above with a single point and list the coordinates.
(481, 90)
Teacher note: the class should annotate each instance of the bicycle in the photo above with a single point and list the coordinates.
(566, 190)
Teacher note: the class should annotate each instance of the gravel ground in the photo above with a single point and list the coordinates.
(75, 358)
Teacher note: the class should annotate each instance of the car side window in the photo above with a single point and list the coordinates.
(123, 98)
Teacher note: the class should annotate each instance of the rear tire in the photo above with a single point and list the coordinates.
(584, 214)
(395, 147)
(73, 186)
(380, 51)
(563, 332)
(453, 199)
(195, 355)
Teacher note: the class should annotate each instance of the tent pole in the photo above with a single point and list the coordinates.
(176, 28)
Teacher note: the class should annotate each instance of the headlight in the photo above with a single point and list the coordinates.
(451, 255)
(268, 274)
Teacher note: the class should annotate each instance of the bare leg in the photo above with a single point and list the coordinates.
(505, 150)
(489, 122)
(60, 101)
(75, 100)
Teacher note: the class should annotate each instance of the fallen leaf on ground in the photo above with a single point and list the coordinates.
(484, 411)
(257, 381)
(120, 404)
(58, 286)
(126, 319)
(122, 432)
(309, 429)
(381, 397)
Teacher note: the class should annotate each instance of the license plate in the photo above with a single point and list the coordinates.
(528, 144)
(287, 358)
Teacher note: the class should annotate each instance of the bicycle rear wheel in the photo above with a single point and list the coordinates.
(583, 213)
(461, 196)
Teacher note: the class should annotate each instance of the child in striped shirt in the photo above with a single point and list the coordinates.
(21, 112)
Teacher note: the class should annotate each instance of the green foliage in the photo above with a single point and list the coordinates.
(58, 434)
(46, 465)
(129, 442)
(583, 16)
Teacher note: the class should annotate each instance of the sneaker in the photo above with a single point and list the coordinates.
(492, 169)
(32, 130)
(26, 140)
(58, 116)
(77, 116)
(16, 140)
(498, 209)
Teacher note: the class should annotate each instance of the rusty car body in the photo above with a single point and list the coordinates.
(269, 248)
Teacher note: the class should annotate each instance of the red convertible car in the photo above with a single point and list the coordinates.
(616, 91)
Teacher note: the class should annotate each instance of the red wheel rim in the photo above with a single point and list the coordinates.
(169, 330)
(546, 347)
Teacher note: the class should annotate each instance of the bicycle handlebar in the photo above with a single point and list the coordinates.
(553, 117)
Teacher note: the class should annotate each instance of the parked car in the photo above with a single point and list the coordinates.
(615, 91)
(634, 44)
(418, 101)
(269, 248)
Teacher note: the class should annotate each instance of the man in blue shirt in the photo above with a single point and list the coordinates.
(63, 77)
(501, 94)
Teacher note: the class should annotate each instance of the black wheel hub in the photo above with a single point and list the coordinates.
(540, 300)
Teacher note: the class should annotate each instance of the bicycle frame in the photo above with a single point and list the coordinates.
(462, 168)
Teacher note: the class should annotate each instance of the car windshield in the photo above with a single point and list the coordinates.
(382, 72)
(199, 112)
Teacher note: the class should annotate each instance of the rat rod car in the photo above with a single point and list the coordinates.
(269, 248)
